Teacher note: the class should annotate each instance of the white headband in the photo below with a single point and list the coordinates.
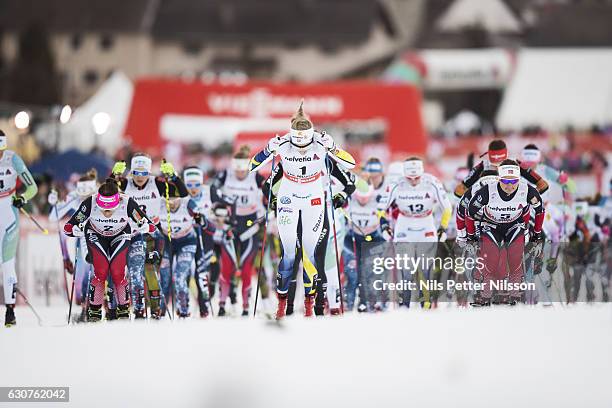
(306, 134)
(509, 171)
(241, 164)
(193, 176)
(531, 155)
(413, 168)
(141, 163)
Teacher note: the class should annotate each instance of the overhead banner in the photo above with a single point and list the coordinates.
(191, 112)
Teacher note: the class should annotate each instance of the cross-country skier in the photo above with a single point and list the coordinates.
(149, 192)
(181, 254)
(415, 198)
(531, 159)
(240, 192)
(205, 257)
(12, 198)
(373, 172)
(365, 224)
(104, 220)
(302, 198)
(504, 208)
(86, 186)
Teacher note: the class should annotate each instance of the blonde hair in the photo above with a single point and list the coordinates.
(244, 152)
(92, 174)
(300, 121)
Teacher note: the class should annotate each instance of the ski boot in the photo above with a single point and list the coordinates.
(183, 315)
(282, 306)
(204, 314)
(221, 311)
(309, 305)
(123, 312)
(83, 316)
(481, 302)
(139, 314)
(335, 311)
(512, 301)
(245, 312)
(289, 310)
(362, 308)
(9, 317)
(157, 313)
(94, 313)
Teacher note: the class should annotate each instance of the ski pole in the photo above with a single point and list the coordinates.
(333, 211)
(28, 215)
(78, 251)
(199, 233)
(263, 244)
(64, 250)
(171, 255)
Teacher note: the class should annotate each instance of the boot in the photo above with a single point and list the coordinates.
(334, 311)
(221, 312)
(289, 309)
(309, 305)
(183, 315)
(139, 314)
(123, 312)
(204, 314)
(94, 313)
(83, 316)
(481, 302)
(9, 317)
(282, 306)
(245, 312)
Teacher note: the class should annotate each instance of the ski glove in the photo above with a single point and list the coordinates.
(273, 204)
(119, 168)
(68, 266)
(387, 234)
(442, 235)
(537, 238)
(327, 142)
(273, 144)
(167, 169)
(153, 258)
(339, 200)
(52, 198)
(551, 265)
(77, 232)
(19, 201)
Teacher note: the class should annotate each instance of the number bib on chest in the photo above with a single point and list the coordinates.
(113, 225)
(148, 198)
(245, 192)
(501, 211)
(303, 168)
(181, 221)
(416, 202)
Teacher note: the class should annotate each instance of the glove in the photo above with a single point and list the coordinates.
(77, 232)
(339, 200)
(273, 204)
(19, 201)
(119, 168)
(327, 142)
(551, 265)
(52, 198)
(387, 234)
(536, 237)
(441, 234)
(167, 169)
(273, 144)
(68, 266)
(563, 178)
(198, 218)
(153, 258)
(145, 228)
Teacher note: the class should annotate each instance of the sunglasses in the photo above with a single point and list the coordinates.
(512, 181)
(140, 173)
(193, 185)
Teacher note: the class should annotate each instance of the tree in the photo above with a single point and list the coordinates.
(33, 78)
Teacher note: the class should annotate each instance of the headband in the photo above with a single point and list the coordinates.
(108, 202)
(509, 171)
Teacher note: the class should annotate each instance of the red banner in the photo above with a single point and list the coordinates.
(168, 109)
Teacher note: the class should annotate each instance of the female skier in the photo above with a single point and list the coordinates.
(240, 192)
(104, 221)
(301, 207)
(12, 168)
